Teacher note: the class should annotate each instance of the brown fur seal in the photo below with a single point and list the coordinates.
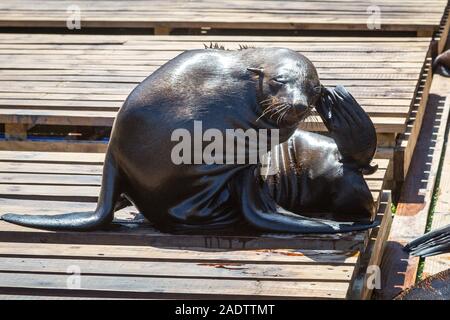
(269, 89)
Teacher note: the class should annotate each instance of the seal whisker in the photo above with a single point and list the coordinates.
(276, 109)
(273, 100)
(270, 105)
(281, 117)
(270, 109)
(279, 110)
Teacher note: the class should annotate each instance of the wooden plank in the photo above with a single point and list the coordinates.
(186, 270)
(135, 233)
(65, 168)
(399, 270)
(148, 253)
(74, 86)
(55, 145)
(441, 215)
(52, 157)
(129, 232)
(363, 281)
(27, 176)
(408, 143)
(130, 229)
(151, 264)
(441, 35)
(170, 287)
(106, 119)
(250, 14)
(42, 296)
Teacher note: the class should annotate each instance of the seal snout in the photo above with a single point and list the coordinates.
(301, 110)
(300, 106)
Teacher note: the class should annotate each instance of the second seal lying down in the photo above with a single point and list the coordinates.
(255, 88)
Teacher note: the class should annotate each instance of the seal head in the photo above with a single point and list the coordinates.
(288, 89)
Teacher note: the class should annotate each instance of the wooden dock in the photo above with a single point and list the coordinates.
(59, 95)
(63, 81)
(163, 17)
(133, 260)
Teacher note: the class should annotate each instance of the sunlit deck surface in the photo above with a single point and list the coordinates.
(386, 15)
(73, 81)
(61, 92)
(133, 260)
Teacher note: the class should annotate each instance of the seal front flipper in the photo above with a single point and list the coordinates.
(431, 243)
(260, 210)
(80, 221)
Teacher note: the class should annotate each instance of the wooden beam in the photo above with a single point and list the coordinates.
(61, 146)
(162, 30)
(398, 269)
(362, 285)
(407, 140)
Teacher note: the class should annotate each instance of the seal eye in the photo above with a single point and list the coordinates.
(279, 80)
(277, 83)
(317, 90)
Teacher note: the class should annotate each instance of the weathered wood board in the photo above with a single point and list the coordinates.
(64, 80)
(163, 16)
(399, 270)
(133, 260)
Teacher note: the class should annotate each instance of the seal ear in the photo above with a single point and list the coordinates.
(369, 170)
(258, 71)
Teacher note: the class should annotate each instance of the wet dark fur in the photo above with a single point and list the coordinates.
(224, 89)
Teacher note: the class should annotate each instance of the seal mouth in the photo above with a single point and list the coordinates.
(302, 111)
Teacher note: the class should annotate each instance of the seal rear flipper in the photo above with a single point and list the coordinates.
(80, 221)
(260, 210)
(430, 244)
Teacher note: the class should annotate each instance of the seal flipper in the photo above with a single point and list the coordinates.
(431, 243)
(260, 209)
(80, 221)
